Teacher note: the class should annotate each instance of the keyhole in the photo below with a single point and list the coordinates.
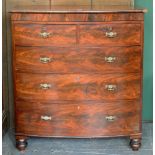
(77, 78)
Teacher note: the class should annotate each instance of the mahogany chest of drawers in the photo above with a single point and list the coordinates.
(78, 73)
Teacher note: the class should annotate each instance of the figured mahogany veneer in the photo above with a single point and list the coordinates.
(78, 73)
(29, 35)
(83, 60)
(87, 118)
(77, 86)
(72, 17)
(89, 35)
(95, 35)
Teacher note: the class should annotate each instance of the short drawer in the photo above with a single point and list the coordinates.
(77, 86)
(110, 34)
(44, 35)
(84, 60)
(79, 119)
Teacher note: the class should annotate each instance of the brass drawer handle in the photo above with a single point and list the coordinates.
(45, 60)
(111, 34)
(110, 59)
(111, 87)
(110, 118)
(45, 86)
(45, 35)
(46, 118)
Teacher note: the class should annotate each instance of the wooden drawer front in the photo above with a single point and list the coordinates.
(77, 86)
(72, 17)
(86, 60)
(110, 34)
(77, 119)
(44, 35)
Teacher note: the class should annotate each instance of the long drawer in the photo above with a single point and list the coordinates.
(44, 35)
(82, 119)
(77, 86)
(73, 17)
(83, 60)
(111, 34)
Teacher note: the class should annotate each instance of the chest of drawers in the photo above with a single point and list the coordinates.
(77, 74)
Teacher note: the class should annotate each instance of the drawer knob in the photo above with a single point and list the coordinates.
(111, 34)
(45, 86)
(45, 60)
(46, 118)
(45, 35)
(110, 118)
(111, 87)
(110, 59)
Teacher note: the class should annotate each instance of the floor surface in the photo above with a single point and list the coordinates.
(52, 146)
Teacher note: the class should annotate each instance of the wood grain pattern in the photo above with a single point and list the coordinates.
(82, 119)
(64, 35)
(77, 86)
(29, 35)
(95, 35)
(70, 17)
(83, 60)
(83, 89)
(116, 17)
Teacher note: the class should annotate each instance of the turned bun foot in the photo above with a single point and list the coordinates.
(21, 143)
(135, 144)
